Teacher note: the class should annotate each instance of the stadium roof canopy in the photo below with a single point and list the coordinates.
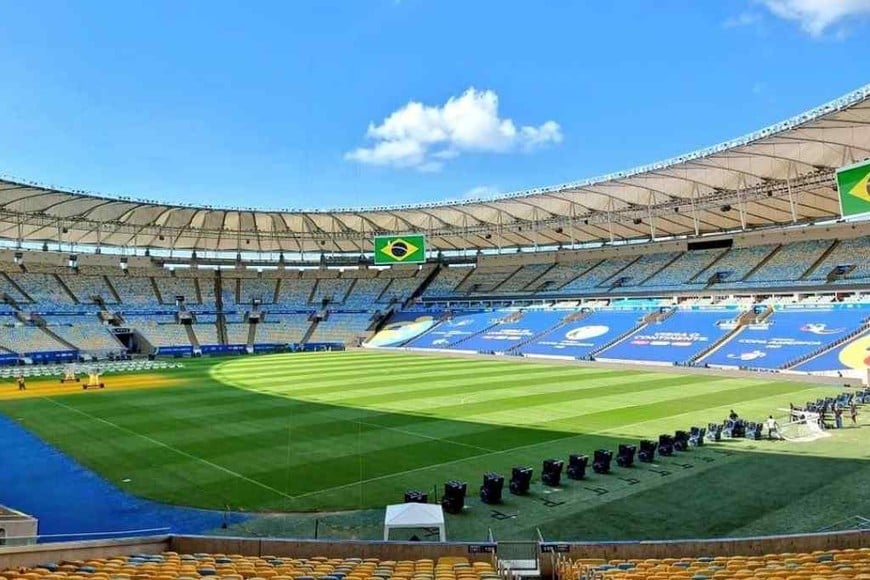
(782, 174)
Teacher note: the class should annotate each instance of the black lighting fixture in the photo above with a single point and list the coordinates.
(161, 237)
(44, 246)
(677, 209)
(726, 208)
(124, 263)
(488, 236)
(559, 230)
(73, 261)
(193, 255)
(637, 221)
(17, 258)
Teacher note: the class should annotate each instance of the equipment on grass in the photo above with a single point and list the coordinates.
(681, 441)
(601, 460)
(754, 430)
(577, 466)
(551, 474)
(69, 375)
(805, 429)
(696, 436)
(454, 496)
(625, 455)
(714, 432)
(94, 381)
(666, 445)
(416, 496)
(490, 491)
(647, 453)
(521, 478)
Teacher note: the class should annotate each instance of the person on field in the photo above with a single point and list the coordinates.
(838, 417)
(773, 428)
(853, 412)
(22, 386)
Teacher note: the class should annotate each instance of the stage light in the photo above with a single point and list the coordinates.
(521, 478)
(696, 436)
(123, 263)
(577, 466)
(625, 455)
(491, 490)
(454, 496)
(551, 474)
(666, 445)
(647, 453)
(601, 460)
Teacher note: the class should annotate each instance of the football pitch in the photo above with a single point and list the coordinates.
(336, 436)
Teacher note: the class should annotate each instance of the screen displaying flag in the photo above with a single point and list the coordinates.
(410, 249)
(854, 185)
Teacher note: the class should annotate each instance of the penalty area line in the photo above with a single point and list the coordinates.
(171, 448)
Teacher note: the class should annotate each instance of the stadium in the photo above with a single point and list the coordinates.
(567, 381)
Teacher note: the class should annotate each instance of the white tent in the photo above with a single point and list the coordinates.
(414, 515)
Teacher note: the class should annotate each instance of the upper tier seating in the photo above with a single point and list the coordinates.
(642, 268)
(7, 287)
(295, 291)
(173, 566)
(332, 289)
(684, 269)
(400, 289)
(855, 253)
(524, 279)
(45, 290)
(262, 289)
(485, 279)
(86, 287)
(135, 293)
(821, 565)
(446, 281)
(597, 275)
(560, 274)
(171, 287)
(365, 292)
(790, 262)
(736, 263)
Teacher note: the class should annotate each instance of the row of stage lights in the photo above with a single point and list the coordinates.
(491, 491)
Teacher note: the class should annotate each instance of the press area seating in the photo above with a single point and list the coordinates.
(173, 566)
(850, 563)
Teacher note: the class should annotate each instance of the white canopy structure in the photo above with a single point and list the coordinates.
(779, 175)
(414, 515)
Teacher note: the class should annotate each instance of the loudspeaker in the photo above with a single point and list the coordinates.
(416, 496)
(577, 466)
(681, 441)
(490, 491)
(601, 461)
(551, 474)
(625, 455)
(666, 445)
(521, 477)
(454, 496)
(647, 453)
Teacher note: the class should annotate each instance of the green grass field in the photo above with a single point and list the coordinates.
(342, 434)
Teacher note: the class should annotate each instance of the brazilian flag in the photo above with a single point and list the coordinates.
(410, 249)
(854, 185)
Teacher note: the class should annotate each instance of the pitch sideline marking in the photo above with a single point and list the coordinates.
(171, 448)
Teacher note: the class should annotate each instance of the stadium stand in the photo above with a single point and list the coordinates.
(85, 288)
(342, 327)
(446, 281)
(283, 329)
(174, 566)
(641, 269)
(581, 337)
(27, 339)
(45, 289)
(159, 330)
(135, 292)
(331, 289)
(262, 289)
(853, 256)
(677, 338)
(596, 276)
(790, 262)
(86, 333)
(684, 269)
(789, 336)
(523, 280)
(735, 264)
(206, 333)
(849, 563)
(237, 332)
(295, 291)
(458, 328)
(515, 329)
(169, 288)
(366, 292)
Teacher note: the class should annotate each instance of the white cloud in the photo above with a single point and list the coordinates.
(481, 192)
(816, 16)
(425, 137)
(742, 20)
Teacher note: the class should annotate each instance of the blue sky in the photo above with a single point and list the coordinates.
(284, 104)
